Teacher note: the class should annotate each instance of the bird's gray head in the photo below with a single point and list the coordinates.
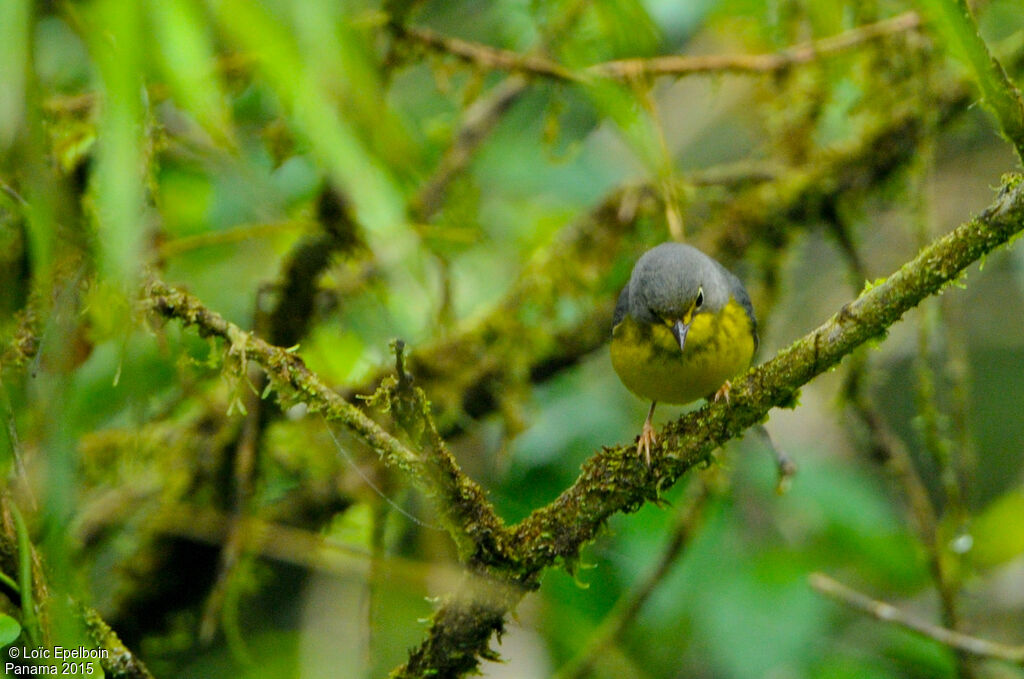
(671, 279)
(672, 283)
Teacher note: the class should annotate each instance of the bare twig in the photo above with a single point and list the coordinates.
(482, 117)
(946, 565)
(679, 65)
(178, 246)
(243, 480)
(889, 613)
(477, 123)
(13, 193)
(489, 57)
(486, 56)
(885, 445)
(889, 449)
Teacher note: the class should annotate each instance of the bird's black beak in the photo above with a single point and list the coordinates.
(679, 331)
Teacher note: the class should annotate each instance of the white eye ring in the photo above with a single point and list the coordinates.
(700, 298)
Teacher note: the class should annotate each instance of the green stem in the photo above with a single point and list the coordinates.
(9, 581)
(30, 620)
(957, 23)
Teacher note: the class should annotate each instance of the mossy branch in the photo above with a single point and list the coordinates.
(480, 534)
(473, 525)
(456, 631)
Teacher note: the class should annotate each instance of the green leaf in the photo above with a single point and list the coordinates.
(28, 608)
(998, 531)
(354, 527)
(188, 61)
(9, 629)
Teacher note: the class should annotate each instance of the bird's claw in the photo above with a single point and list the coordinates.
(723, 392)
(648, 438)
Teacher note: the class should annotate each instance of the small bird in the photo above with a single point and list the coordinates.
(683, 326)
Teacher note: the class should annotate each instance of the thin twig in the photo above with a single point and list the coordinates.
(486, 56)
(944, 564)
(477, 123)
(885, 612)
(482, 117)
(179, 246)
(680, 65)
(885, 445)
(889, 449)
(13, 193)
(14, 444)
(243, 479)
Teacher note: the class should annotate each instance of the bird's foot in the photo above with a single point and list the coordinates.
(723, 392)
(648, 438)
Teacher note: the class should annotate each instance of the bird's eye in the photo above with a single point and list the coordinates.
(700, 299)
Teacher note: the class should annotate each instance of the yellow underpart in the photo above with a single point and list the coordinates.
(647, 357)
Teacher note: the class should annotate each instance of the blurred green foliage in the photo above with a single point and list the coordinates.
(217, 144)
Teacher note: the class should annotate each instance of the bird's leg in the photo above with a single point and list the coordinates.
(723, 392)
(647, 436)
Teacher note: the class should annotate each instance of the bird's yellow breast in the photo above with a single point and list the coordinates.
(650, 364)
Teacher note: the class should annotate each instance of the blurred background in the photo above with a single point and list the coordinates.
(477, 179)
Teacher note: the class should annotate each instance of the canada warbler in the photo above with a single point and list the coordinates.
(683, 326)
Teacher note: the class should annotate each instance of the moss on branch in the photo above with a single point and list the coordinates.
(465, 513)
